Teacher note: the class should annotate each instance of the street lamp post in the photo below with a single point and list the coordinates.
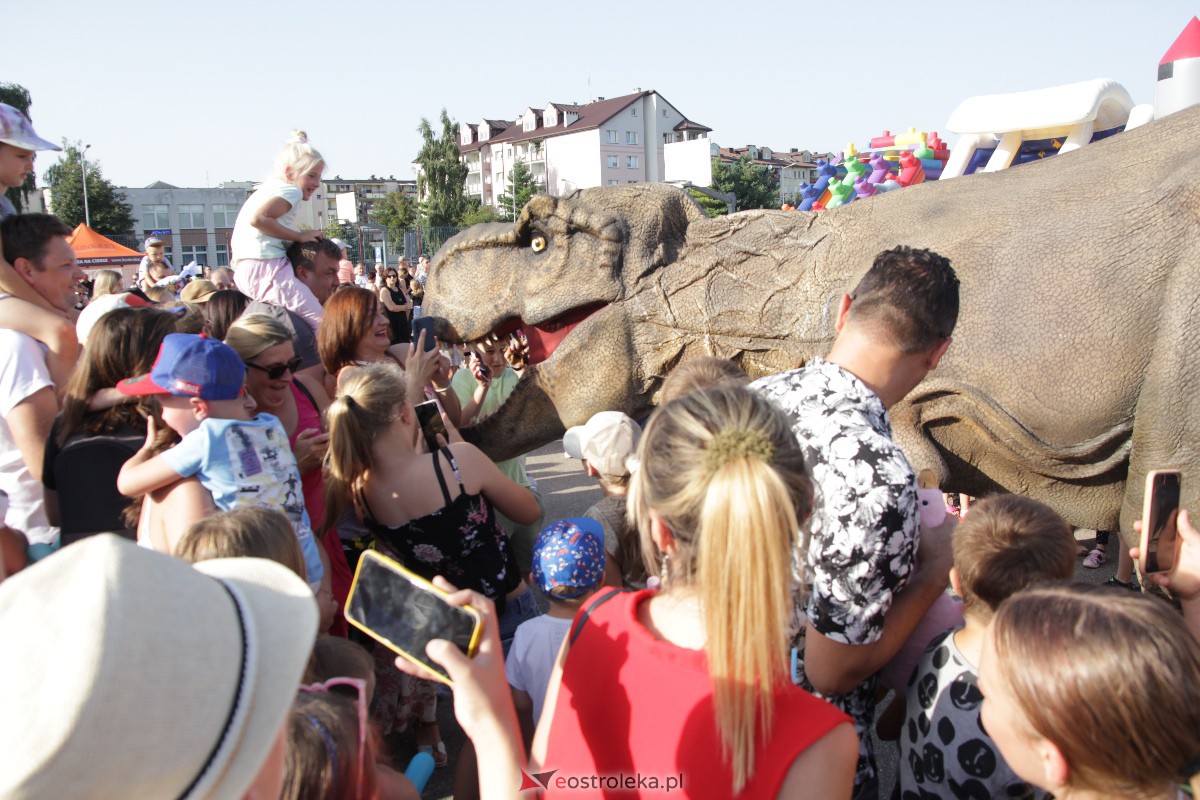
(87, 217)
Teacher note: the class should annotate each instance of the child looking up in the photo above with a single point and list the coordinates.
(240, 460)
(1006, 543)
(264, 227)
(568, 566)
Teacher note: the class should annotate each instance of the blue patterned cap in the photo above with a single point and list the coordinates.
(568, 557)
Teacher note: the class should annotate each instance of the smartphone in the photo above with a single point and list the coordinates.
(1160, 544)
(429, 415)
(424, 324)
(405, 612)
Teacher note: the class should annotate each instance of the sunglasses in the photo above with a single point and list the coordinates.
(332, 686)
(277, 371)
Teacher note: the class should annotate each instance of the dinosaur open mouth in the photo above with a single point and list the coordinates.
(543, 338)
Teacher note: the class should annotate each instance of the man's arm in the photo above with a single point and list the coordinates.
(835, 668)
(30, 421)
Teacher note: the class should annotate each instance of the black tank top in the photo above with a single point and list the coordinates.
(462, 541)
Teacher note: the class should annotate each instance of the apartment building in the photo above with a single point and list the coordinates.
(196, 224)
(569, 146)
(366, 192)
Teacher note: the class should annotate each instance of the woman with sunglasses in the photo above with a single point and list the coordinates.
(393, 296)
(265, 346)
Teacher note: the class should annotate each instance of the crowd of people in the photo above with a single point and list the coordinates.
(190, 472)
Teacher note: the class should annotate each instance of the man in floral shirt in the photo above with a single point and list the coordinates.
(865, 589)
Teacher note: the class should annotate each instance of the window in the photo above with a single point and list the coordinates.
(614, 183)
(191, 216)
(610, 136)
(222, 255)
(633, 162)
(194, 252)
(633, 111)
(156, 218)
(631, 137)
(224, 214)
(614, 162)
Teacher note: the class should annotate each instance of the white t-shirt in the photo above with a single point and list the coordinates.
(22, 373)
(248, 241)
(532, 655)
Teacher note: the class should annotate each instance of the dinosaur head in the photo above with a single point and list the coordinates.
(559, 275)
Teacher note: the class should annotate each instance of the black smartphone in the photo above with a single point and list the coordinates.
(429, 415)
(424, 324)
(1160, 543)
(405, 612)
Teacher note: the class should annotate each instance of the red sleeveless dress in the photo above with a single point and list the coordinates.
(635, 709)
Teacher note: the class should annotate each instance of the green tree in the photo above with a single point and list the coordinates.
(520, 180)
(336, 229)
(109, 211)
(754, 186)
(396, 212)
(441, 174)
(18, 97)
(476, 213)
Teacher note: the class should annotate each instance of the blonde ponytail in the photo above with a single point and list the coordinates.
(722, 469)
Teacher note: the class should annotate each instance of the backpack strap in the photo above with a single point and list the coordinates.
(598, 601)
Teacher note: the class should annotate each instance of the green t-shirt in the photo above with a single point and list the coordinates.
(501, 387)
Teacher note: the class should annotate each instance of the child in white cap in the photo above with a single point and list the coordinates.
(23, 309)
(605, 444)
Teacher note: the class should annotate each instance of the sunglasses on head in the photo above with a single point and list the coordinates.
(277, 371)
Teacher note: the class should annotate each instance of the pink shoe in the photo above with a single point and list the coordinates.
(1095, 558)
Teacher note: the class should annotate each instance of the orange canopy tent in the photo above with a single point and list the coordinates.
(94, 251)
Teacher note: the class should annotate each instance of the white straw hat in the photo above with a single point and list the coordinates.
(128, 673)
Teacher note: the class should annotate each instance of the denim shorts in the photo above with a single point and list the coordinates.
(516, 611)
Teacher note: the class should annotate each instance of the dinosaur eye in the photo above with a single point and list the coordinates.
(538, 243)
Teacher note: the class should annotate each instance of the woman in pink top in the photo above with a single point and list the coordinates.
(265, 346)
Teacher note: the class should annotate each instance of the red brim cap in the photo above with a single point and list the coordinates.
(140, 386)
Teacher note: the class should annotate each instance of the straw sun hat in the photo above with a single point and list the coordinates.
(127, 673)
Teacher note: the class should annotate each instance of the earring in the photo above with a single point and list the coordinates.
(664, 571)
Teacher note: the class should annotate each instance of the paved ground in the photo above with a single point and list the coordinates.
(567, 492)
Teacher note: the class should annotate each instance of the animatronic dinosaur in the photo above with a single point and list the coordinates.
(1072, 367)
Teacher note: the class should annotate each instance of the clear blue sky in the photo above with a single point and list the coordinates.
(203, 92)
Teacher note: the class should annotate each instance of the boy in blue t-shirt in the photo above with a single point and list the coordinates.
(241, 460)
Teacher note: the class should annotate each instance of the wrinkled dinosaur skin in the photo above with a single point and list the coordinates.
(1072, 370)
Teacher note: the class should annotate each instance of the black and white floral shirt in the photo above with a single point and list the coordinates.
(862, 547)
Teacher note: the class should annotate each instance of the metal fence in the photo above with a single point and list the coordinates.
(425, 241)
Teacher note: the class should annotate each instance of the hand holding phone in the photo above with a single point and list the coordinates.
(405, 612)
(1159, 548)
(429, 415)
(424, 324)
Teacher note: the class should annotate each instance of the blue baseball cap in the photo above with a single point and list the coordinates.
(568, 557)
(191, 366)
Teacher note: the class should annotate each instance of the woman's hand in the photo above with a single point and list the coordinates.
(483, 375)
(309, 236)
(310, 449)
(420, 365)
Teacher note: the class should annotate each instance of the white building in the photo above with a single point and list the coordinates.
(568, 146)
(195, 223)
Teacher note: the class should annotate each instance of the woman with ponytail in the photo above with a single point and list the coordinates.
(690, 683)
(1093, 692)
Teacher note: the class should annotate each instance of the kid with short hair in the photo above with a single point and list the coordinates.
(243, 461)
(1007, 543)
(568, 566)
(264, 227)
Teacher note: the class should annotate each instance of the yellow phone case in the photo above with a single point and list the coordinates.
(400, 569)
